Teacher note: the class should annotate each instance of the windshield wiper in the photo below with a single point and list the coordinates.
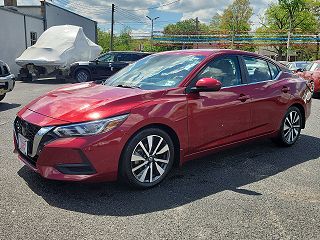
(126, 86)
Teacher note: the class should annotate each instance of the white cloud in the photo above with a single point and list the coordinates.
(101, 10)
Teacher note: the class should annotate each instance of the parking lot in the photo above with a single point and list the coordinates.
(255, 191)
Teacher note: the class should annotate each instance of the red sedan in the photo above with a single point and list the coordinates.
(167, 108)
(312, 74)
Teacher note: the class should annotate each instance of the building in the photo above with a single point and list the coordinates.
(21, 26)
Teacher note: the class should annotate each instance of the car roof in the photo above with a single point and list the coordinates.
(210, 52)
(300, 62)
(128, 52)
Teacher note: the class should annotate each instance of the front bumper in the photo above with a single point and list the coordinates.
(7, 84)
(91, 158)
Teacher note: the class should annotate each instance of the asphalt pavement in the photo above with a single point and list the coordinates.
(255, 191)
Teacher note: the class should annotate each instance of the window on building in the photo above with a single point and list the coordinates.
(33, 37)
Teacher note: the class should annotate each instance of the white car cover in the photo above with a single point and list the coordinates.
(60, 46)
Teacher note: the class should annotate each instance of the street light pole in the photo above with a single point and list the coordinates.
(152, 21)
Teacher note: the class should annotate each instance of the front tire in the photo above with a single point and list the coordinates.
(147, 158)
(2, 97)
(290, 128)
(82, 76)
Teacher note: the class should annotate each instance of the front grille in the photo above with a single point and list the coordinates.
(30, 160)
(26, 129)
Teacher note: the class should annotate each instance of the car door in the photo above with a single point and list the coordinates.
(122, 60)
(222, 117)
(103, 65)
(269, 95)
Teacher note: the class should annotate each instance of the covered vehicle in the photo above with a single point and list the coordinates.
(56, 49)
(7, 80)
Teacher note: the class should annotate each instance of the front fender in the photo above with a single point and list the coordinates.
(171, 113)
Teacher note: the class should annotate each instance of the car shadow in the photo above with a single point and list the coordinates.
(229, 170)
(8, 106)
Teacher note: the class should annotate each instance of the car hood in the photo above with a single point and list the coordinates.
(89, 101)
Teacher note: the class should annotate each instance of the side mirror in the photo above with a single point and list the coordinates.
(207, 85)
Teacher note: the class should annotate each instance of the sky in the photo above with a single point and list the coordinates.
(132, 13)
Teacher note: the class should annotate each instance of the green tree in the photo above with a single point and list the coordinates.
(215, 23)
(104, 40)
(236, 17)
(124, 41)
(186, 27)
(288, 16)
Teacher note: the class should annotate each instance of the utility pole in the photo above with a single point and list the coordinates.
(152, 24)
(318, 45)
(197, 29)
(112, 25)
(289, 38)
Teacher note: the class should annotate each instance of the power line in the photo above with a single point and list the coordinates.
(150, 8)
(129, 14)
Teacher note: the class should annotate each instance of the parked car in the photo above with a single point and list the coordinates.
(298, 66)
(165, 109)
(104, 66)
(7, 80)
(312, 74)
(284, 63)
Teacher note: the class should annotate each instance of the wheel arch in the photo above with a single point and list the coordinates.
(172, 133)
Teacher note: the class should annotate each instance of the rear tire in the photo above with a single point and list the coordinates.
(82, 76)
(2, 97)
(290, 128)
(147, 158)
(312, 86)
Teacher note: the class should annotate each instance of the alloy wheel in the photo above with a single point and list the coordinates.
(150, 159)
(312, 86)
(82, 76)
(292, 127)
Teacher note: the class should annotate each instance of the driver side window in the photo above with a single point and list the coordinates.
(225, 69)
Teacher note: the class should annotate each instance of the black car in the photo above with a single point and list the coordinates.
(104, 66)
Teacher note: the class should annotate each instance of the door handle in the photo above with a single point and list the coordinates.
(285, 89)
(243, 98)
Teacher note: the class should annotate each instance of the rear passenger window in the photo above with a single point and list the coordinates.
(125, 58)
(274, 70)
(258, 69)
(136, 57)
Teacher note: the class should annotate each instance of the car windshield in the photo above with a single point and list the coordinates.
(309, 66)
(314, 67)
(108, 57)
(156, 72)
(301, 65)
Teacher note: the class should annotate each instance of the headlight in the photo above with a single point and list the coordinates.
(90, 128)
